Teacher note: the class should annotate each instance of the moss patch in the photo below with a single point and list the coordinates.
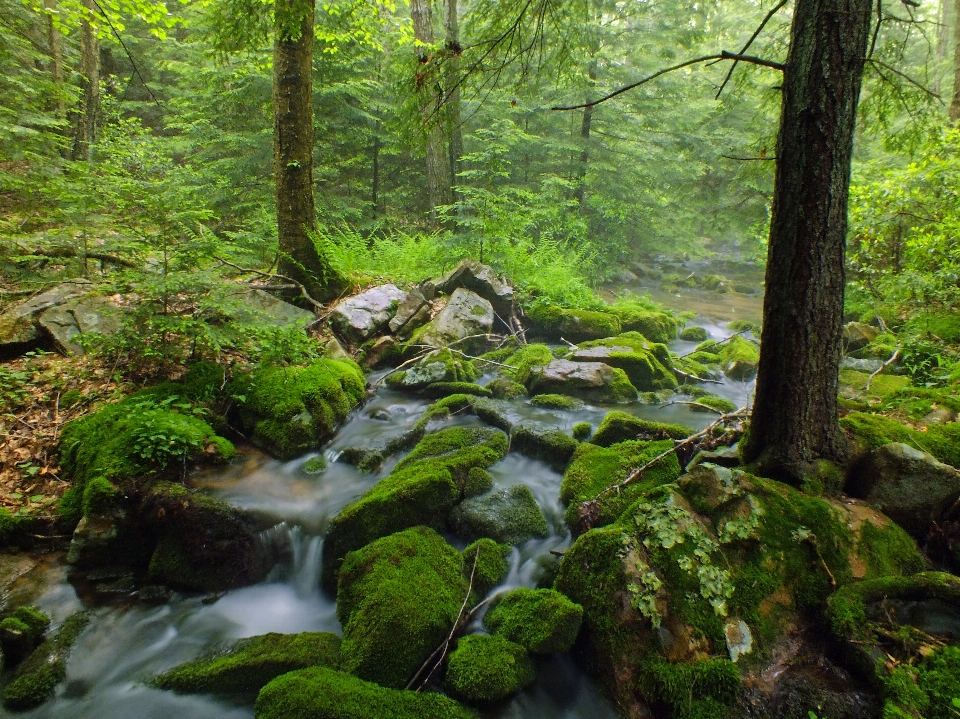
(694, 334)
(509, 515)
(869, 431)
(556, 401)
(491, 564)
(445, 389)
(739, 358)
(250, 664)
(573, 325)
(506, 389)
(648, 365)
(484, 669)
(321, 693)
(398, 598)
(524, 360)
(618, 426)
(656, 326)
(540, 620)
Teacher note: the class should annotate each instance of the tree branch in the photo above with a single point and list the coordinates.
(724, 55)
(289, 280)
(746, 47)
(68, 252)
(909, 79)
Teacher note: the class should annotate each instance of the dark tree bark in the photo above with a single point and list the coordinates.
(55, 43)
(795, 416)
(955, 102)
(293, 148)
(585, 123)
(438, 159)
(451, 23)
(90, 84)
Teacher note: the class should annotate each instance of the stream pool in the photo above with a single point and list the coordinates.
(128, 643)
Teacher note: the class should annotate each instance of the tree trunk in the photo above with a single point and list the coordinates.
(795, 415)
(955, 103)
(293, 148)
(90, 85)
(581, 190)
(438, 162)
(452, 80)
(55, 43)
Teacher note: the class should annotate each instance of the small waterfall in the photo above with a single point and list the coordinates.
(299, 555)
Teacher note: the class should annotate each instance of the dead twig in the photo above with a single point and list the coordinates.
(274, 275)
(693, 404)
(893, 358)
(694, 377)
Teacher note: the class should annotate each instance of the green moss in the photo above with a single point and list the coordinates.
(397, 598)
(917, 402)
(445, 389)
(739, 358)
(694, 334)
(509, 515)
(479, 481)
(648, 366)
(548, 444)
(36, 679)
(618, 426)
(942, 327)
(741, 325)
(291, 410)
(889, 550)
(13, 527)
(881, 347)
(714, 402)
(99, 496)
(443, 409)
(71, 397)
(869, 431)
(491, 564)
(36, 621)
(315, 465)
(524, 360)
(573, 325)
(704, 358)
(506, 389)
(542, 621)
(582, 431)
(654, 325)
(882, 385)
(556, 401)
(321, 693)
(697, 689)
(421, 490)
(594, 469)
(250, 664)
(484, 669)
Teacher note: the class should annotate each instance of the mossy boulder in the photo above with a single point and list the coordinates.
(510, 515)
(945, 327)
(21, 633)
(291, 410)
(438, 366)
(321, 693)
(647, 365)
(718, 563)
(694, 334)
(491, 563)
(502, 388)
(522, 362)
(252, 663)
(619, 426)
(445, 389)
(739, 358)
(203, 543)
(582, 431)
(542, 621)
(875, 621)
(869, 431)
(398, 598)
(421, 490)
(556, 401)
(595, 469)
(707, 402)
(543, 442)
(484, 669)
(653, 324)
(37, 678)
(572, 325)
(591, 381)
(853, 385)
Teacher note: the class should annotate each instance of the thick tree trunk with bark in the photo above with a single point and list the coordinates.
(438, 159)
(55, 44)
(795, 416)
(293, 148)
(452, 79)
(955, 103)
(585, 124)
(90, 85)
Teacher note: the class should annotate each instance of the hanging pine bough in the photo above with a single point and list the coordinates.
(722, 432)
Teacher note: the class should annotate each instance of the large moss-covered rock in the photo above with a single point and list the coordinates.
(321, 693)
(509, 515)
(647, 365)
(520, 364)
(592, 381)
(438, 366)
(618, 426)
(37, 678)
(554, 323)
(543, 442)
(21, 633)
(653, 324)
(719, 563)
(485, 669)
(398, 598)
(542, 621)
(909, 486)
(291, 410)
(251, 663)
(596, 468)
(870, 431)
(739, 358)
(486, 562)
(421, 490)
(694, 334)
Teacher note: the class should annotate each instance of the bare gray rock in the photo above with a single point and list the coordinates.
(482, 280)
(363, 315)
(80, 315)
(18, 325)
(466, 315)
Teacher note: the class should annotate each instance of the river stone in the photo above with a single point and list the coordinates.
(381, 352)
(466, 314)
(909, 486)
(509, 516)
(363, 315)
(857, 335)
(82, 314)
(482, 280)
(412, 312)
(544, 442)
(587, 380)
(18, 327)
(262, 307)
(334, 350)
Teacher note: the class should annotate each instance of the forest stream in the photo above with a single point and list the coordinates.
(128, 643)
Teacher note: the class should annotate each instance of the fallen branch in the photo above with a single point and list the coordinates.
(71, 252)
(405, 364)
(721, 342)
(569, 344)
(893, 358)
(273, 275)
(693, 404)
(694, 377)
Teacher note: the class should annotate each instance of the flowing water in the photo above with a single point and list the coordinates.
(128, 643)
